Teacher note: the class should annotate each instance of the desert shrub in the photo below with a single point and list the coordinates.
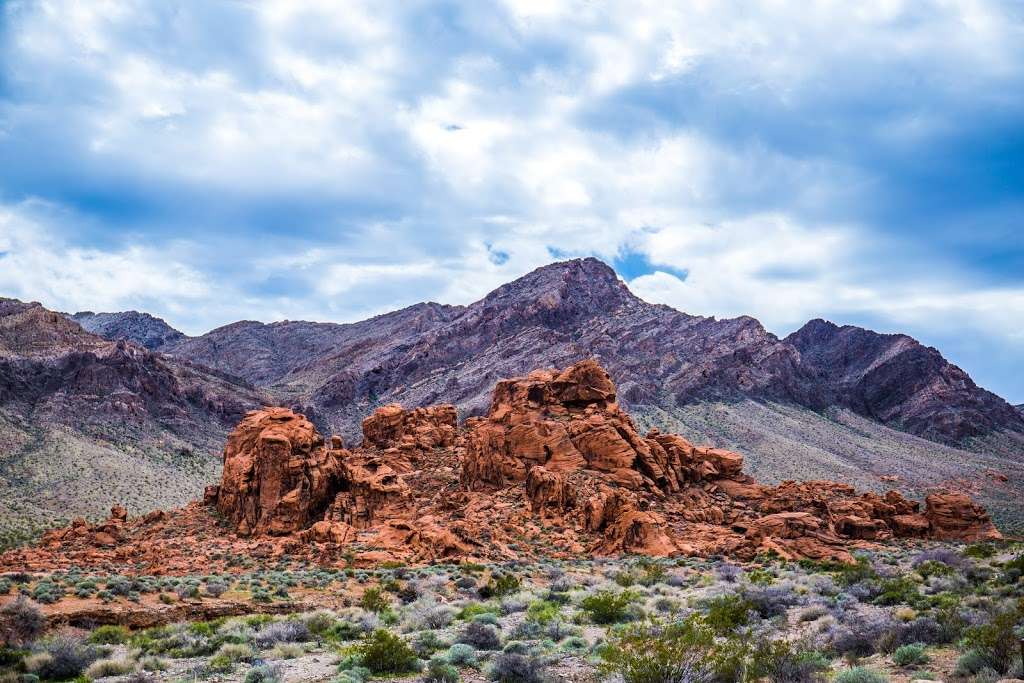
(480, 636)
(320, 622)
(287, 631)
(285, 651)
(21, 622)
(509, 667)
(62, 658)
(102, 668)
(264, 673)
(426, 643)
(216, 589)
(970, 663)
(607, 607)
(945, 556)
(440, 671)
(924, 630)
(383, 652)
(465, 583)
(186, 591)
(652, 652)
(47, 592)
(235, 652)
(562, 584)
(778, 661)
(997, 639)
(860, 637)
(152, 663)
(499, 586)
(375, 600)
(858, 572)
(901, 590)
(909, 655)
(859, 674)
(109, 635)
(426, 613)
(812, 613)
(486, 618)
(771, 601)
(543, 611)
(726, 613)
(981, 551)
(462, 654)
(729, 573)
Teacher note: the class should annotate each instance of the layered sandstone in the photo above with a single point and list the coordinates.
(554, 467)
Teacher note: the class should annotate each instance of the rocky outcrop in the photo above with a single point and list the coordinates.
(954, 517)
(420, 429)
(278, 476)
(555, 466)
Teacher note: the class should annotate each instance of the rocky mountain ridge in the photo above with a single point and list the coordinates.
(555, 468)
(566, 311)
(142, 328)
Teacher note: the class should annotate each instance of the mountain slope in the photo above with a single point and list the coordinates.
(141, 328)
(83, 419)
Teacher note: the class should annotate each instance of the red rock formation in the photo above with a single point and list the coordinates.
(420, 429)
(554, 467)
(278, 477)
(954, 517)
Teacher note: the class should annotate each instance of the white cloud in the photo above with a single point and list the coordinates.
(36, 265)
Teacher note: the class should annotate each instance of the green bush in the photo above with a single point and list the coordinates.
(109, 635)
(909, 655)
(607, 607)
(980, 551)
(859, 674)
(383, 652)
(727, 613)
(375, 600)
(898, 591)
(543, 611)
(653, 652)
(499, 586)
(997, 640)
(440, 671)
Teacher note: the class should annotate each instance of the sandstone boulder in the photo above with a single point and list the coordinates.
(278, 478)
(954, 517)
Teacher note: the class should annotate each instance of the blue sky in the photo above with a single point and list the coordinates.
(215, 161)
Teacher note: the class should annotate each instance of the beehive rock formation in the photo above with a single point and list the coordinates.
(278, 476)
(555, 466)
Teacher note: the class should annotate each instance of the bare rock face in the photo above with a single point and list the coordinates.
(954, 517)
(278, 477)
(423, 429)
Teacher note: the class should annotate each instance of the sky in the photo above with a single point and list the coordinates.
(289, 159)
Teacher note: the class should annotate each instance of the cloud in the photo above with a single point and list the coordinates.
(858, 161)
(36, 265)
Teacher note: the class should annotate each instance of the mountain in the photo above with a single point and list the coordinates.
(567, 311)
(895, 380)
(84, 420)
(826, 402)
(141, 328)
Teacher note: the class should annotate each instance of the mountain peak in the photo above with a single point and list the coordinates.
(578, 285)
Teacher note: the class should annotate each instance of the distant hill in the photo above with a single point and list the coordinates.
(85, 421)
